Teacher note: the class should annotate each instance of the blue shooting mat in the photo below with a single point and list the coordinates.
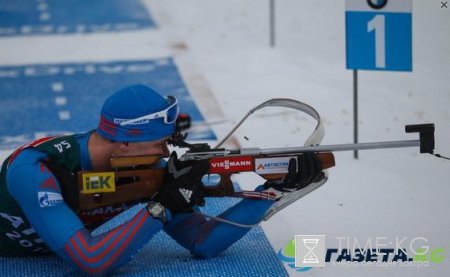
(53, 99)
(161, 256)
(47, 17)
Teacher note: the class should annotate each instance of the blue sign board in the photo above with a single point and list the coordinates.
(44, 17)
(54, 99)
(379, 34)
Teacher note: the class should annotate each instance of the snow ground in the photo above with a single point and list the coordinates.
(386, 193)
(222, 48)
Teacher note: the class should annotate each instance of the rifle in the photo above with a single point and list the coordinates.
(140, 177)
(136, 178)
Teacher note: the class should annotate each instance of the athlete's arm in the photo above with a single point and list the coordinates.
(38, 193)
(208, 238)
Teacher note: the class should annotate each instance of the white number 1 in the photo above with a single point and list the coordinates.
(377, 25)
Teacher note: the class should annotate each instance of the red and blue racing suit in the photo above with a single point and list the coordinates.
(36, 218)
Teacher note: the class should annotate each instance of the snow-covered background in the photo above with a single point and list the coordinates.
(222, 49)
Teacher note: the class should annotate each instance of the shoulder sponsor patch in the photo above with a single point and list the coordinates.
(49, 199)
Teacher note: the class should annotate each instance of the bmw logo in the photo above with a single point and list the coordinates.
(377, 4)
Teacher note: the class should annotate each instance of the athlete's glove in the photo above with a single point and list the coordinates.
(309, 171)
(182, 189)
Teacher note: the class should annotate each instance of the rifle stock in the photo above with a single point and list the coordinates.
(135, 180)
(225, 186)
(131, 185)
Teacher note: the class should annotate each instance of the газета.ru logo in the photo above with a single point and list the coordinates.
(306, 252)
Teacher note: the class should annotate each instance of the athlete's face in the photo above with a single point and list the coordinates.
(157, 147)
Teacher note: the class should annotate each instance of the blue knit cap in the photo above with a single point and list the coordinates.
(130, 103)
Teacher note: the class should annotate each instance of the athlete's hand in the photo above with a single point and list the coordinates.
(309, 171)
(182, 189)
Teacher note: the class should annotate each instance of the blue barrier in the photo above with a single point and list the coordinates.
(47, 17)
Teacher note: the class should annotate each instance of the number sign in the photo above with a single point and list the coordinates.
(379, 34)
